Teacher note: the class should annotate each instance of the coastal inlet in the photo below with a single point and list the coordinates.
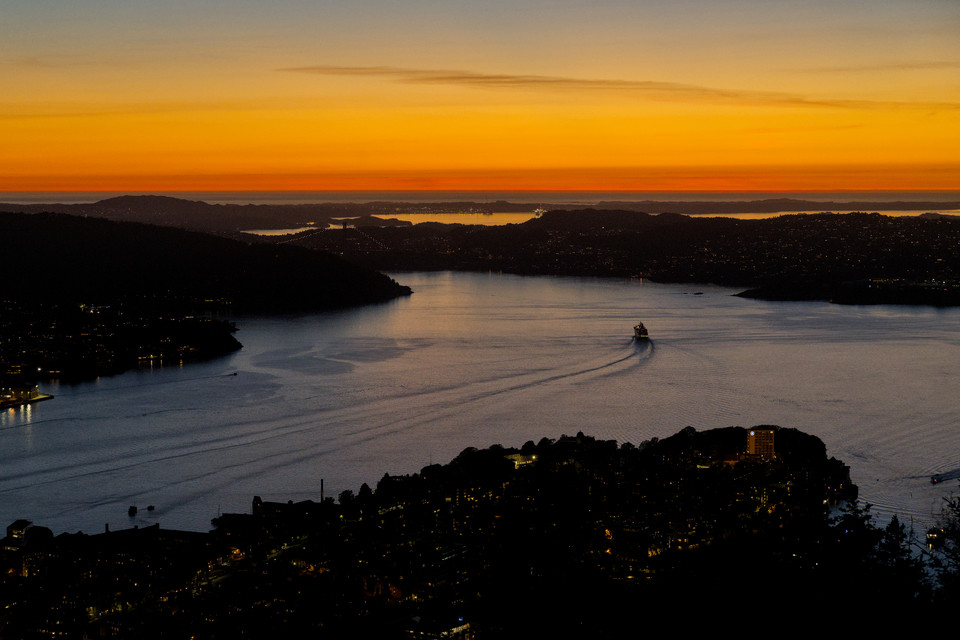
(475, 359)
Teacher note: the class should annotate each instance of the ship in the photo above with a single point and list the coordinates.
(640, 332)
(937, 478)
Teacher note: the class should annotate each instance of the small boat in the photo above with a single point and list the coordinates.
(952, 474)
(640, 332)
(132, 511)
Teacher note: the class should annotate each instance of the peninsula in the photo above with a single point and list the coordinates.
(858, 258)
(95, 297)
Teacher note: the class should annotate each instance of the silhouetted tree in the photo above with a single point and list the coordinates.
(946, 557)
(901, 573)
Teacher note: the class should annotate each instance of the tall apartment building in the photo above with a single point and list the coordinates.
(760, 443)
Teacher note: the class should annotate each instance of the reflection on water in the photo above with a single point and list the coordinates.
(16, 416)
(476, 359)
(278, 232)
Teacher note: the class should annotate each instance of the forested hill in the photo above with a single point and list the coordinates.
(60, 258)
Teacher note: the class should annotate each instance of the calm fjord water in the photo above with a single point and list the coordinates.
(477, 359)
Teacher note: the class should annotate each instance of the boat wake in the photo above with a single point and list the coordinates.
(607, 368)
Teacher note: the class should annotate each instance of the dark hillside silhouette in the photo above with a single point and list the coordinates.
(63, 258)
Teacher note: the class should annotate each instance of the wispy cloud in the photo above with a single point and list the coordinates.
(654, 90)
(888, 67)
(647, 89)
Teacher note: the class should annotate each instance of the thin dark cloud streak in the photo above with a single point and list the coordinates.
(882, 68)
(649, 89)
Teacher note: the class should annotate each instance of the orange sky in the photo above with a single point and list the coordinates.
(609, 95)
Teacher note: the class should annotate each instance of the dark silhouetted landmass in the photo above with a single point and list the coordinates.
(85, 297)
(73, 342)
(82, 260)
(195, 215)
(567, 538)
(224, 218)
(772, 205)
(859, 258)
(932, 292)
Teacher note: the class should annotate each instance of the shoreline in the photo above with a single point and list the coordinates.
(13, 404)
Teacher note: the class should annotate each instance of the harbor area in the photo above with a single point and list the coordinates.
(15, 396)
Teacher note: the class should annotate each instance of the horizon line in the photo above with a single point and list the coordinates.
(921, 198)
(504, 190)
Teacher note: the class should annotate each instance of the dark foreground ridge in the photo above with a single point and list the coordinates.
(574, 537)
(91, 297)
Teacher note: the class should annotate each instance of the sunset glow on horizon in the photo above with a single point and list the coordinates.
(730, 95)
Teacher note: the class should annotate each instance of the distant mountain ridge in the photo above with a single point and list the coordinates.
(196, 215)
(773, 205)
(223, 218)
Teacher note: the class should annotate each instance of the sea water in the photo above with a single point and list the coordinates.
(477, 359)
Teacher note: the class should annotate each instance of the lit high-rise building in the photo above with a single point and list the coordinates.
(760, 443)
